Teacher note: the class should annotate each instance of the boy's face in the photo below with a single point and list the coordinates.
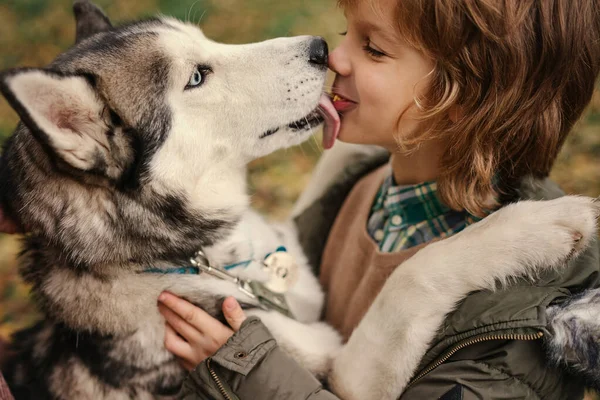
(378, 78)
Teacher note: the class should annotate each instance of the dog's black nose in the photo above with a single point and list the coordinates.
(318, 51)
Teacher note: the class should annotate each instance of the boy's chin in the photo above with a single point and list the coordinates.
(348, 137)
(349, 133)
(353, 135)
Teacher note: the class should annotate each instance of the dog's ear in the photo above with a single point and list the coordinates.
(89, 19)
(63, 111)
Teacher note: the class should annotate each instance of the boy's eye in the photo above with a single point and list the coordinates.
(343, 33)
(373, 52)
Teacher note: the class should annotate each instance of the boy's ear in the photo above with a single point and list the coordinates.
(63, 111)
(89, 19)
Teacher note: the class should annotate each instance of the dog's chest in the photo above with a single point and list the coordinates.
(242, 253)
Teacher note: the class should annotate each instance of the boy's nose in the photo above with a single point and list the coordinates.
(318, 51)
(339, 62)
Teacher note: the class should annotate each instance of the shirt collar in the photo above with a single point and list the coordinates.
(415, 203)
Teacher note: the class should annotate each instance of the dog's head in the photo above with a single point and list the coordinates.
(153, 113)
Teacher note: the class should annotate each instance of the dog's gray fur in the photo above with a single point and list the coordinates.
(575, 340)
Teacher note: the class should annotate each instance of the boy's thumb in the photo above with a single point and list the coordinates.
(233, 313)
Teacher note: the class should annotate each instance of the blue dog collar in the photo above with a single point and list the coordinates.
(196, 271)
(181, 271)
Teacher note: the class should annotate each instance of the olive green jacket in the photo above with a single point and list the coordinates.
(493, 346)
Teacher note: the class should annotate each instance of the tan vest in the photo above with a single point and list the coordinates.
(353, 270)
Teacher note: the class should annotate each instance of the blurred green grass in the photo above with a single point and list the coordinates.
(33, 32)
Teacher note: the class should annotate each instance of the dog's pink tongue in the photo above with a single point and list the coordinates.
(331, 129)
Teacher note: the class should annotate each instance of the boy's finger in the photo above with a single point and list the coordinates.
(177, 345)
(233, 312)
(189, 332)
(193, 315)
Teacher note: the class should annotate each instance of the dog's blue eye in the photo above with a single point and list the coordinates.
(197, 78)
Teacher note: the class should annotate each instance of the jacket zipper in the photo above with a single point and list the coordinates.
(533, 336)
(217, 381)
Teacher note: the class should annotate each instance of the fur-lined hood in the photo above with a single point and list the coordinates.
(575, 335)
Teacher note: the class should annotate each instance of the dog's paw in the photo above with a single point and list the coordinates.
(313, 345)
(559, 228)
(538, 234)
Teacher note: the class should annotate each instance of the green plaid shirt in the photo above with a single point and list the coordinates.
(404, 216)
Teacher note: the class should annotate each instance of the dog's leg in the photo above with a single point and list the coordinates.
(128, 301)
(519, 240)
(312, 345)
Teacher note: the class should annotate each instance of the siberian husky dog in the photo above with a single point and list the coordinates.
(131, 157)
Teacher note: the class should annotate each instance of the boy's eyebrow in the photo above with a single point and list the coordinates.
(370, 27)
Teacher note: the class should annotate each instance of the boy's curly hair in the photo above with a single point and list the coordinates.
(519, 72)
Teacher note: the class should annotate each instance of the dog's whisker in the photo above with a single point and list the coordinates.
(189, 13)
(314, 144)
(201, 16)
(302, 150)
(194, 17)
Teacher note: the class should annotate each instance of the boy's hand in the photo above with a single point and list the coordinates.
(192, 334)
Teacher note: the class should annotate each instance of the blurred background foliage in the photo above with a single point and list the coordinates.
(33, 32)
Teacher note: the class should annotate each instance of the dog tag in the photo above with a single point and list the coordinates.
(283, 271)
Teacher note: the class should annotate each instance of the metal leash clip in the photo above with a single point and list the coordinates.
(267, 299)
